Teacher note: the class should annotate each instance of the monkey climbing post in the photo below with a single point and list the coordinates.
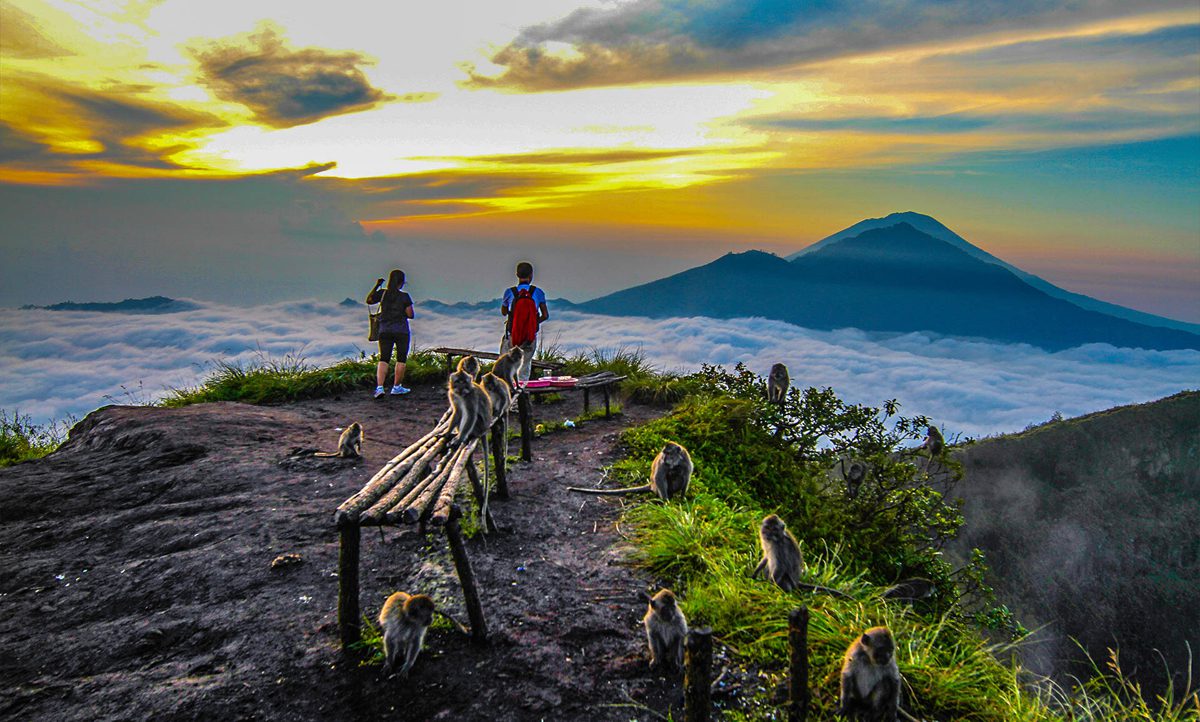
(419, 484)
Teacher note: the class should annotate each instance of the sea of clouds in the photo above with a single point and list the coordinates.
(57, 365)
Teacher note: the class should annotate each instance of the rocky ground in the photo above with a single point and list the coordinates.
(137, 581)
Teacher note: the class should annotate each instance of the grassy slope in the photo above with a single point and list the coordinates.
(1105, 505)
(706, 547)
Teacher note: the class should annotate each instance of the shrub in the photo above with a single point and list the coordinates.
(22, 440)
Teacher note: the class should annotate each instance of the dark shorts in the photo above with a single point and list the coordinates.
(399, 340)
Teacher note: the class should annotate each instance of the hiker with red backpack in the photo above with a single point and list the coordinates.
(524, 307)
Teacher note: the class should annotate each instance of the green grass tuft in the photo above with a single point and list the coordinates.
(273, 381)
(23, 440)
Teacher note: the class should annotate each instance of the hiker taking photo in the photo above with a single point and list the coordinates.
(524, 309)
(396, 307)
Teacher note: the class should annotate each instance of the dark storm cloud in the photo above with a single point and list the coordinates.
(16, 146)
(286, 87)
(657, 40)
(112, 118)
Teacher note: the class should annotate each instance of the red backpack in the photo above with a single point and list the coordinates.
(523, 316)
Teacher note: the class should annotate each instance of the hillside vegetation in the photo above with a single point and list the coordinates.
(896, 527)
(956, 649)
(1090, 529)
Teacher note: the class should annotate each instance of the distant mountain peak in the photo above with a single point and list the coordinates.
(150, 304)
(931, 226)
(891, 277)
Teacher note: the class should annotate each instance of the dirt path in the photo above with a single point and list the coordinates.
(136, 579)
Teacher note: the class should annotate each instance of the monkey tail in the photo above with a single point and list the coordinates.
(483, 511)
(327, 455)
(610, 492)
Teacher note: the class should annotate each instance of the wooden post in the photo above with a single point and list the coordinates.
(587, 398)
(525, 413)
(607, 410)
(466, 577)
(697, 679)
(798, 694)
(449, 365)
(348, 612)
(499, 461)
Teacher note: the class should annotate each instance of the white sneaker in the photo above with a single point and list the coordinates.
(379, 392)
(399, 390)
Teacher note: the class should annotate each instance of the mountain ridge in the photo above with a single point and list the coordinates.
(935, 228)
(893, 279)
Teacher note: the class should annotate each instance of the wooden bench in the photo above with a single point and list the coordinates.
(602, 381)
(455, 353)
(418, 485)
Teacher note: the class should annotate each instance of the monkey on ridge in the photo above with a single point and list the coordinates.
(670, 474)
(854, 476)
(778, 382)
(870, 689)
(666, 630)
(781, 554)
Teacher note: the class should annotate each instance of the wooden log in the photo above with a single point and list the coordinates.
(348, 611)
(697, 678)
(407, 511)
(385, 478)
(462, 565)
(380, 484)
(499, 458)
(419, 505)
(798, 693)
(376, 512)
(525, 414)
(445, 500)
(416, 505)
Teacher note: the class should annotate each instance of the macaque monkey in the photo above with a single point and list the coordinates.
(666, 630)
(910, 590)
(471, 365)
(471, 409)
(499, 395)
(870, 678)
(934, 443)
(778, 382)
(781, 554)
(855, 475)
(670, 474)
(508, 365)
(404, 618)
(349, 444)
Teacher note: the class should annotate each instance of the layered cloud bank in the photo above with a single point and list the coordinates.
(58, 364)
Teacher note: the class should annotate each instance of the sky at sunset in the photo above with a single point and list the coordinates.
(253, 152)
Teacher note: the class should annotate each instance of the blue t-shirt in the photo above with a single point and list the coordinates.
(539, 296)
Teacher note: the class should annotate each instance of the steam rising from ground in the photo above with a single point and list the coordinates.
(55, 364)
